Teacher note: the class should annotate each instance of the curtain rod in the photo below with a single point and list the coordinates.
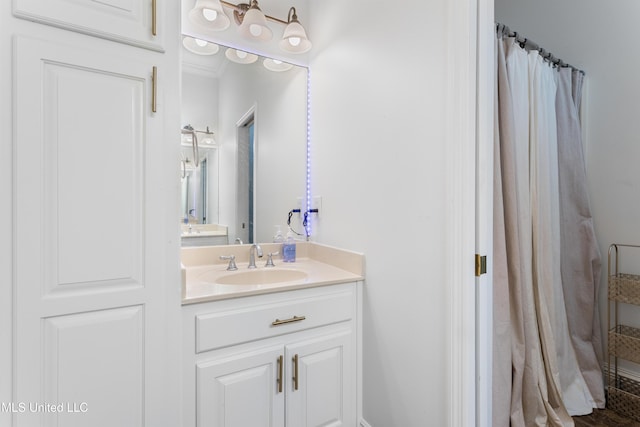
(528, 44)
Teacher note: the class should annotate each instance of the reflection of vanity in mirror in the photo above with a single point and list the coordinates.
(249, 116)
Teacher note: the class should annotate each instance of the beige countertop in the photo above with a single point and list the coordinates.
(319, 264)
(203, 230)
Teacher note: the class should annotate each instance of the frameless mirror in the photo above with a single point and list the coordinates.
(248, 170)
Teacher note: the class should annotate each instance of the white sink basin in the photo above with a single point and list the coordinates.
(260, 276)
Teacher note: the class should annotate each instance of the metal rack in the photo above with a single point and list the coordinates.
(623, 393)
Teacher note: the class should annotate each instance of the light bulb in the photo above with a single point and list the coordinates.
(294, 41)
(200, 43)
(276, 61)
(241, 54)
(209, 14)
(255, 30)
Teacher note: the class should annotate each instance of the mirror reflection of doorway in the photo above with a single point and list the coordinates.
(246, 179)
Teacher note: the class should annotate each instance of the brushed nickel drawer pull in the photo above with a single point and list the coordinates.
(280, 372)
(154, 89)
(295, 372)
(293, 319)
(154, 18)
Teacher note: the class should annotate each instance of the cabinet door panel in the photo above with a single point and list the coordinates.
(128, 21)
(240, 391)
(87, 273)
(325, 382)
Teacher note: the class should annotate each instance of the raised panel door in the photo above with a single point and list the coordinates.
(320, 391)
(241, 391)
(91, 311)
(80, 378)
(136, 22)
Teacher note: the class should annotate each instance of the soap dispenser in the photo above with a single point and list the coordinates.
(289, 248)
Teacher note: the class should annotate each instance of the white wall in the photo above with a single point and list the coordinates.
(599, 38)
(378, 95)
(199, 104)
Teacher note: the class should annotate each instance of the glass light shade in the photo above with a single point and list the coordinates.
(200, 47)
(209, 15)
(254, 25)
(186, 140)
(240, 56)
(276, 65)
(208, 141)
(294, 39)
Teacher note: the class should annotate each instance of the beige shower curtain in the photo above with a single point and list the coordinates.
(537, 378)
(581, 265)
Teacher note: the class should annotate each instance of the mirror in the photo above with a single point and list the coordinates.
(250, 122)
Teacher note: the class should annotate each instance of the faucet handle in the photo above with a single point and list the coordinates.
(232, 262)
(270, 259)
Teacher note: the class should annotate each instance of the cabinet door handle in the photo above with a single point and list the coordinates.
(154, 89)
(280, 372)
(293, 319)
(295, 372)
(154, 16)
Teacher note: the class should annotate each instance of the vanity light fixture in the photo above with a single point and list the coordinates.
(209, 15)
(200, 47)
(207, 140)
(240, 56)
(190, 139)
(254, 24)
(276, 65)
(294, 39)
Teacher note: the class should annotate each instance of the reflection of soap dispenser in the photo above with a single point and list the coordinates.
(277, 237)
(289, 248)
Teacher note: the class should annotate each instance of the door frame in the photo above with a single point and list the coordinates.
(484, 209)
(469, 185)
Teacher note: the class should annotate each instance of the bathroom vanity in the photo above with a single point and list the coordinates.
(274, 346)
(204, 235)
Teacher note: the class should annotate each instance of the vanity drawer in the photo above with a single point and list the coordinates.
(246, 323)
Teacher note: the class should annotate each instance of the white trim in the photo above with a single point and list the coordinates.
(7, 211)
(461, 182)
(359, 354)
(484, 210)
(250, 116)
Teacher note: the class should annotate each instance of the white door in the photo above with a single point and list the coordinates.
(245, 390)
(91, 311)
(320, 382)
(137, 22)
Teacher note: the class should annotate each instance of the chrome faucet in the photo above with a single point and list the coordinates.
(253, 250)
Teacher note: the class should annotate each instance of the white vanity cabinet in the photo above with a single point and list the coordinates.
(135, 22)
(281, 359)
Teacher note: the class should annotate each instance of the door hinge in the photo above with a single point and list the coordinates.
(481, 265)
